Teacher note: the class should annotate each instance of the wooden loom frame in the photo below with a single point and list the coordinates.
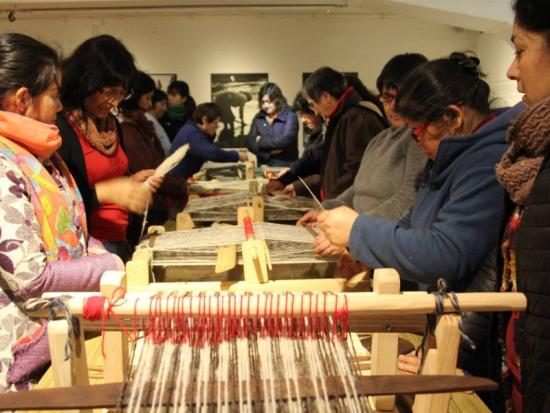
(138, 267)
(383, 302)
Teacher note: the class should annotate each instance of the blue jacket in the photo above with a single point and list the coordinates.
(455, 220)
(278, 143)
(202, 149)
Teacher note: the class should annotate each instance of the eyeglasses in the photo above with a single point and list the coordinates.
(113, 95)
(417, 133)
(386, 97)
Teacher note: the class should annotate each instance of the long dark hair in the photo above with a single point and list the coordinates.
(275, 94)
(140, 84)
(428, 91)
(25, 62)
(99, 61)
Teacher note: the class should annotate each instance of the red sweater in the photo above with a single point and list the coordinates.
(108, 223)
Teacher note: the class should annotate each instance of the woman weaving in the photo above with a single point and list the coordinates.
(453, 227)
(44, 243)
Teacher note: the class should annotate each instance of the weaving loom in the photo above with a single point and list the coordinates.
(287, 351)
(227, 187)
(223, 208)
(215, 253)
(228, 171)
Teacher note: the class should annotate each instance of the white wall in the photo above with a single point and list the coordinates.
(283, 46)
(496, 53)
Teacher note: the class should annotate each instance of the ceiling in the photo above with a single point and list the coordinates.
(490, 16)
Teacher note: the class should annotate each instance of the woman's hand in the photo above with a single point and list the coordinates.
(272, 186)
(243, 156)
(309, 218)
(125, 192)
(336, 225)
(408, 362)
(155, 182)
(325, 248)
(290, 191)
(148, 176)
(142, 175)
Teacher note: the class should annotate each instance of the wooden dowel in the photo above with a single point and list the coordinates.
(109, 395)
(359, 304)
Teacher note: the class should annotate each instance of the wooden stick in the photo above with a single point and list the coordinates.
(116, 362)
(107, 395)
(384, 345)
(440, 360)
(67, 372)
(359, 304)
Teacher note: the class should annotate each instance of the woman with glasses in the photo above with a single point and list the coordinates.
(95, 81)
(44, 241)
(453, 227)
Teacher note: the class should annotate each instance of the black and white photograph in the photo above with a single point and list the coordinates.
(237, 96)
(162, 80)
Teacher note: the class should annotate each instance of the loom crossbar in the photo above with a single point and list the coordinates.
(109, 395)
(358, 304)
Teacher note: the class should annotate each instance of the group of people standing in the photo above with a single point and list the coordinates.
(426, 178)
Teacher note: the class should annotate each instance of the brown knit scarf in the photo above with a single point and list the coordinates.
(529, 138)
(100, 133)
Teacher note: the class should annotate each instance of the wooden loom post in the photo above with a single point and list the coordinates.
(184, 221)
(384, 345)
(156, 230)
(115, 360)
(256, 260)
(440, 360)
(245, 212)
(226, 257)
(137, 269)
(74, 370)
(258, 208)
(253, 186)
(250, 170)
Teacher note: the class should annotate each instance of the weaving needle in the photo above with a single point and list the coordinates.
(311, 230)
(311, 193)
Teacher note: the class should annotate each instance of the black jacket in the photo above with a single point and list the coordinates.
(533, 276)
(307, 167)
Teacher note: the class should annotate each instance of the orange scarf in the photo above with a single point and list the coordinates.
(56, 202)
(38, 138)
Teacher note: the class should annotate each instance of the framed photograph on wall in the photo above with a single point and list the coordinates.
(162, 80)
(237, 96)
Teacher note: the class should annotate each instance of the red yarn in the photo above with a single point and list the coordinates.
(93, 308)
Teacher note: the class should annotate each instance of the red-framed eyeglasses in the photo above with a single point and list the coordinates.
(418, 132)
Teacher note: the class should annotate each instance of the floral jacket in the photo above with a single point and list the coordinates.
(25, 272)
